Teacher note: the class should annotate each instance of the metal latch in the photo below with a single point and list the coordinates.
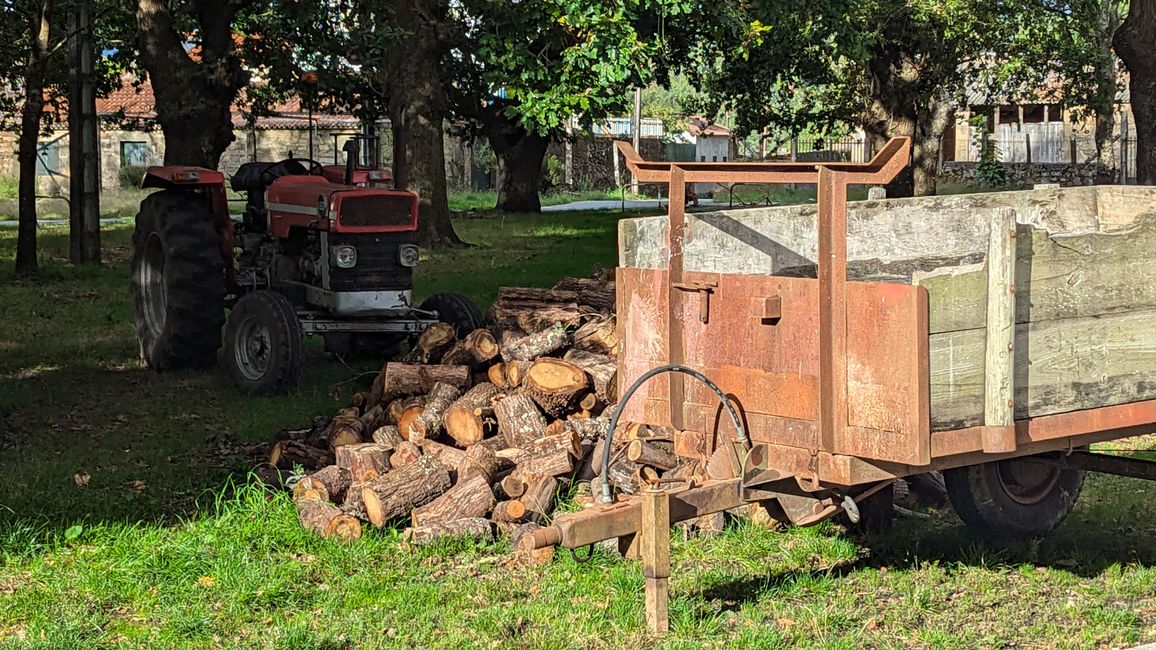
(704, 289)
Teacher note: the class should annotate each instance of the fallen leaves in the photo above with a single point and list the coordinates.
(81, 479)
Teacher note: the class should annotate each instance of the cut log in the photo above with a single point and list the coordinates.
(406, 453)
(509, 511)
(327, 520)
(403, 489)
(432, 344)
(532, 310)
(401, 379)
(591, 293)
(537, 345)
(622, 475)
(450, 457)
(556, 385)
(365, 461)
(315, 435)
(429, 423)
(551, 462)
(589, 404)
(345, 429)
(358, 400)
(467, 418)
(477, 528)
(478, 348)
(513, 486)
(387, 436)
(409, 416)
(567, 441)
(519, 420)
(472, 498)
(521, 543)
(599, 335)
(645, 453)
(333, 480)
(497, 375)
(289, 454)
(603, 372)
(538, 499)
(353, 505)
(372, 419)
(516, 372)
(479, 460)
(590, 429)
(394, 410)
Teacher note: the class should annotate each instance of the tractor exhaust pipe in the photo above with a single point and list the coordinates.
(352, 151)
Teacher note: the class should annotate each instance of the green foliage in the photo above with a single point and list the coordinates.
(8, 187)
(989, 170)
(129, 176)
(553, 173)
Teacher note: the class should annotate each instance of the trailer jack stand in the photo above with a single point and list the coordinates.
(654, 551)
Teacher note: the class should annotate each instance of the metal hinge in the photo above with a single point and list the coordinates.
(704, 289)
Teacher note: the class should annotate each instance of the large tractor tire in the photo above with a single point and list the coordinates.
(178, 281)
(263, 346)
(457, 310)
(1013, 499)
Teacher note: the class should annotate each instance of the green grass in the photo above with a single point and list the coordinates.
(168, 545)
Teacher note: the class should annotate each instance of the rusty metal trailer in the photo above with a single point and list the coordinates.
(829, 383)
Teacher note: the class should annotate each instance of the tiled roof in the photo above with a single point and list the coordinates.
(701, 127)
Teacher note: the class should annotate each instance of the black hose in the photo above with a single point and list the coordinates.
(671, 367)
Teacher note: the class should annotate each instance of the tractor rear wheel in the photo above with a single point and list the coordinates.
(263, 345)
(178, 281)
(457, 310)
(1015, 498)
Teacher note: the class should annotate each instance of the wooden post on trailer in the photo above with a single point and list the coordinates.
(654, 548)
(999, 434)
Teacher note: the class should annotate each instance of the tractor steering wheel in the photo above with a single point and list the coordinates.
(314, 169)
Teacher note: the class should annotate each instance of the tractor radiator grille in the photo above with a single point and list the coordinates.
(377, 263)
(391, 211)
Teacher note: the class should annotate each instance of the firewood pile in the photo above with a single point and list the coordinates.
(480, 435)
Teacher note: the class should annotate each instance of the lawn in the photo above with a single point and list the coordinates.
(127, 518)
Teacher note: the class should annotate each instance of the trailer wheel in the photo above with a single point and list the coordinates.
(457, 310)
(178, 281)
(1016, 498)
(263, 344)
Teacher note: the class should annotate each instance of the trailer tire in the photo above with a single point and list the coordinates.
(178, 281)
(263, 345)
(1014, 498)
(457, 310)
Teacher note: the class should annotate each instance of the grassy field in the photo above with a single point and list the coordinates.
(127, 518)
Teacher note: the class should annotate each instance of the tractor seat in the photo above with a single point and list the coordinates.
(256, 176)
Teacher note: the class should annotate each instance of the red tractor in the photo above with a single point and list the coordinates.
(319, 249)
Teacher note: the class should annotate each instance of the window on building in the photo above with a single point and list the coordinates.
(48, 159)
(134, 154)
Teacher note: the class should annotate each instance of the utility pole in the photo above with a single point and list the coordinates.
(636, 132)
(83, 142)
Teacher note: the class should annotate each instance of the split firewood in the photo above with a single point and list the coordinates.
(401, 379)
(519, 419)
(509, 511)
(327, 520)
(406, 453)
(365, 461)
(538, 499)
(467, 418)
(354, 505)
(345, 429)
(645, 476)
(429, 423)
(646, 453)
(450, 457)
(537, 345)
(556, 385)
(477, 528)
(479, 460)
(332, 481)
(432, 344)
(599, 335)
(288, 454)
(497, 375)
(603, 372)
(516, 372)
(403, 489)
(478, 348)
(470, 498)
(387, 436)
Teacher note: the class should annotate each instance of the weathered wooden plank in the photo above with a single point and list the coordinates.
(999, 361)
(1060, 365)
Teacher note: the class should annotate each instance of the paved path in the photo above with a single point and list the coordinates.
(644, 204)
(64, 222)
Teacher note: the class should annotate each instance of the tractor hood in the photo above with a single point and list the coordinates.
(316, 203)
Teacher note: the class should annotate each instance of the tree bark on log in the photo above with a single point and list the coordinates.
(590, 429)
(429, 423)
(472, 498)
(406, 453)
(598, 294)
(536, 345)
(401, 379)
(478, 348)
(645, 453)
(466, 419)
(327, 520)
(365, 461)
(519, 420)
(516, 372)
(479, 460)
(599, 335)
(555, 385)
(477, 528)
(556, 461)
(509, 511)
(532, 312)
(287, 454)
(387, 436)
(372, 419)
(403, 489)
(409, 416)
(538, 499)
(603, 372)
(345, 429)
(450, 457)
(334, 480)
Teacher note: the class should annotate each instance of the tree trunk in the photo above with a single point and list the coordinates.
(27, 261)
(519, 154)
(1133, 45)
(929, 127)
(193, 97)
(417, 110)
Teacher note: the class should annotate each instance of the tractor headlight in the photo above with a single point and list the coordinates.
(344, 257)
(408, 255)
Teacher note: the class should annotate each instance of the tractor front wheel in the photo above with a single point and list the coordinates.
(263, 345)
(178, 281)
(457, 310)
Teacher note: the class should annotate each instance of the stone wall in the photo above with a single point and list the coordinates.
(593, 164)
(1025, 175)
